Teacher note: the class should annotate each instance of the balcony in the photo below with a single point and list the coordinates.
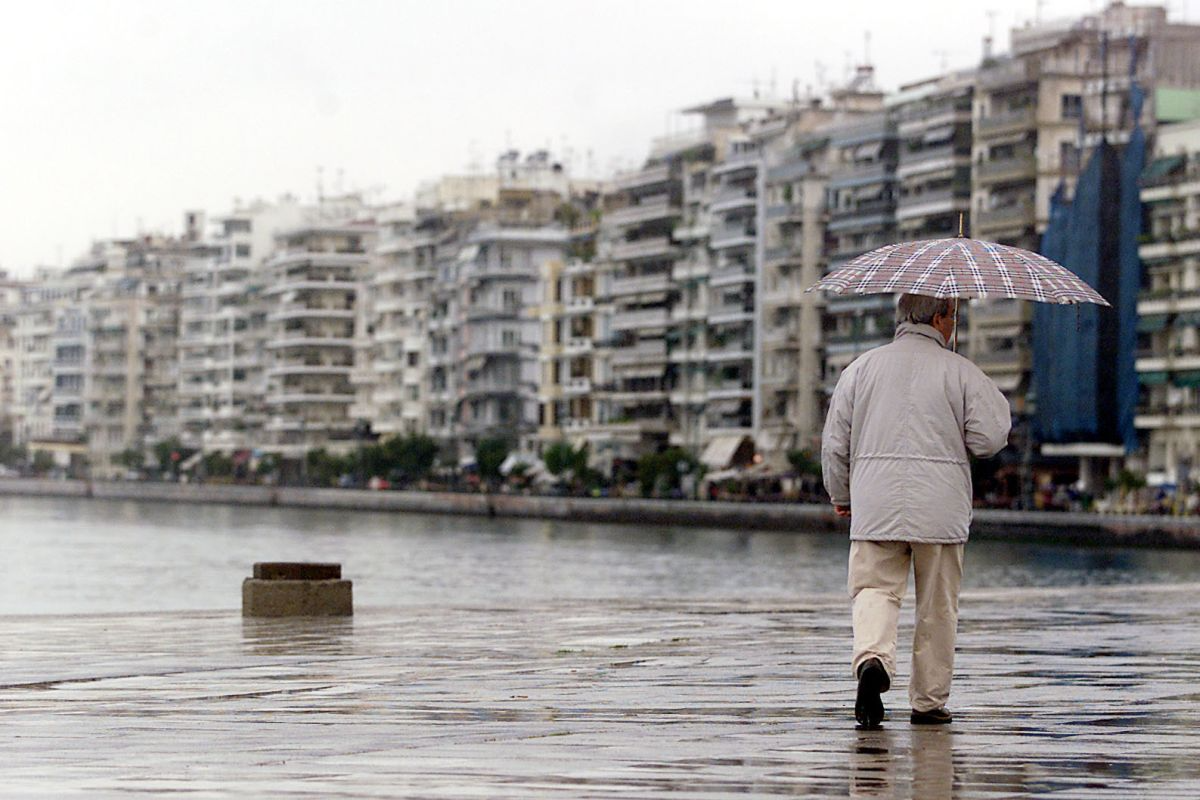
(580, 305)
(294, 396)
(1021, 167)
(731, 276)
(688, 270)
(738, 351)
(1005, 123)
(301, 311)
(733, 199)
(638, 284)
(574, 386)
(481, 312)
(1015, 215)
(640, 319)
(727, 315)
(1008, 73)
(653, 247)
(730, 237)
(1177, 245)
(861, 175)
(649, 210)
(730, 390)
(305, 339)
(641, 179)
(653, 351)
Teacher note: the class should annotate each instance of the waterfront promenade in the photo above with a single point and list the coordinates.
(1061, 693)
(1111, 530)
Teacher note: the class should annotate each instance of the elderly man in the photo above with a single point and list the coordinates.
(901, 423)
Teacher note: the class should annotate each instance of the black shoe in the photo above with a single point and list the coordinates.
(939, 716)
(873, 680)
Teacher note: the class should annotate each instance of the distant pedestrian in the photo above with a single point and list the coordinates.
(902, 421)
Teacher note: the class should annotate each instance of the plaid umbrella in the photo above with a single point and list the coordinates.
(959, 267)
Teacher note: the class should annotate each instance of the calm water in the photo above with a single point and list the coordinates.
(81, 556)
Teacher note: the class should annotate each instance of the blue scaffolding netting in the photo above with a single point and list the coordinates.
(1084, 381)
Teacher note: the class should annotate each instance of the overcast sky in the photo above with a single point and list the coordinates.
(119, 115)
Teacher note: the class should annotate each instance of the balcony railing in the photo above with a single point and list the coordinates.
(654, 247)
(1005, 122)
(1019, 167)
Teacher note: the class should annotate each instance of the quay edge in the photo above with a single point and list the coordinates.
(1033, 526)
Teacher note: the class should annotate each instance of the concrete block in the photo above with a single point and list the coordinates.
(296, 598)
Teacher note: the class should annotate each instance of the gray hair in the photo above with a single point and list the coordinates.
(921, 309)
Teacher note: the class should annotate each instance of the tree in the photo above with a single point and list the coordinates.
(489, 455)
(12, 455)
(324, 468)
(217, 465)
(803, 463)
(660, 473)
(130, 458)
(267, 465)
(560, 459)
(409, 458)
(43, 462)
(170, 453)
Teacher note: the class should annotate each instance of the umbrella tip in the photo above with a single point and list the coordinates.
(960, 225)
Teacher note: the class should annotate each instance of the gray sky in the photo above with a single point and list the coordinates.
(119, 115)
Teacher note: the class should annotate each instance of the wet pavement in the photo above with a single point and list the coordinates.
(1060, 693)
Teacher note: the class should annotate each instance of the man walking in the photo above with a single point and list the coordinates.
(894, 454)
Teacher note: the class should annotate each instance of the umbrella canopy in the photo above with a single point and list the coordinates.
(959, 267)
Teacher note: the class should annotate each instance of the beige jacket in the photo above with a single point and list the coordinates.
(902, 420)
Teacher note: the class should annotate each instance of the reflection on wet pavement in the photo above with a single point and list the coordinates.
(1060, 693)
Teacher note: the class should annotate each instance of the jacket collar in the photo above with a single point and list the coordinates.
(920, 329)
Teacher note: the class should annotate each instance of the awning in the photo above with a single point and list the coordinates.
(1150, 323)
(728, 451)
(869, 151)
(1189, 378)
(1154, 378)
(1161, 167)
(938, 134)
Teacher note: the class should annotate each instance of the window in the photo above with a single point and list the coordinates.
(508, 338)
(242, 250)
(1072, 106)
(414, 359)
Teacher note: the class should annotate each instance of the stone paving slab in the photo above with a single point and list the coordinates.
(1071, 694)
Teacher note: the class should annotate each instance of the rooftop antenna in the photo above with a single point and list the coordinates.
(1037, 14)
(989, 41)
(866, 47)
(320, 183)
(943, 59)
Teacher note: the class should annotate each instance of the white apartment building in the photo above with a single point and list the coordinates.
(1168, 362)
(499, 337)
(222, 335)
(313, 284)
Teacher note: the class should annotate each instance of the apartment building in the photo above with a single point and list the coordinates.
(1168, 363)
(793, 217)
(222, 334)
(862, 198)
(314, 279)
(573, 368)
(391, 363)
(1037, 112)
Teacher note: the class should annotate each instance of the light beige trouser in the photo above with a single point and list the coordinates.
(878, 581)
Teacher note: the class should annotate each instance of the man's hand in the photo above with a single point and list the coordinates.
(841, 511)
